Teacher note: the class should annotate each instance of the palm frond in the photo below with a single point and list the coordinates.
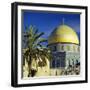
(38, 36)
(41, 40)
(38, 42)
(35, 31)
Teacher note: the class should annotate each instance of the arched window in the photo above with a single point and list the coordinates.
(77, 62)
(68, 48)
(73, 62)
(78, 49)
(54, 48)
(62, 47)
(74, 48)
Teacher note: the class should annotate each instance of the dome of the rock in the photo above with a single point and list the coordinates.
(63, 34)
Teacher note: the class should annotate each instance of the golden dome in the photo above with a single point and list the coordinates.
(63, 34)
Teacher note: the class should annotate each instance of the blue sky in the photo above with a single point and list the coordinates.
(47, 21)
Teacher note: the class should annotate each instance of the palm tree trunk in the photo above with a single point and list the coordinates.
(29, 66)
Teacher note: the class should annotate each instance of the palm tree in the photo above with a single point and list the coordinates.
(35, 49)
